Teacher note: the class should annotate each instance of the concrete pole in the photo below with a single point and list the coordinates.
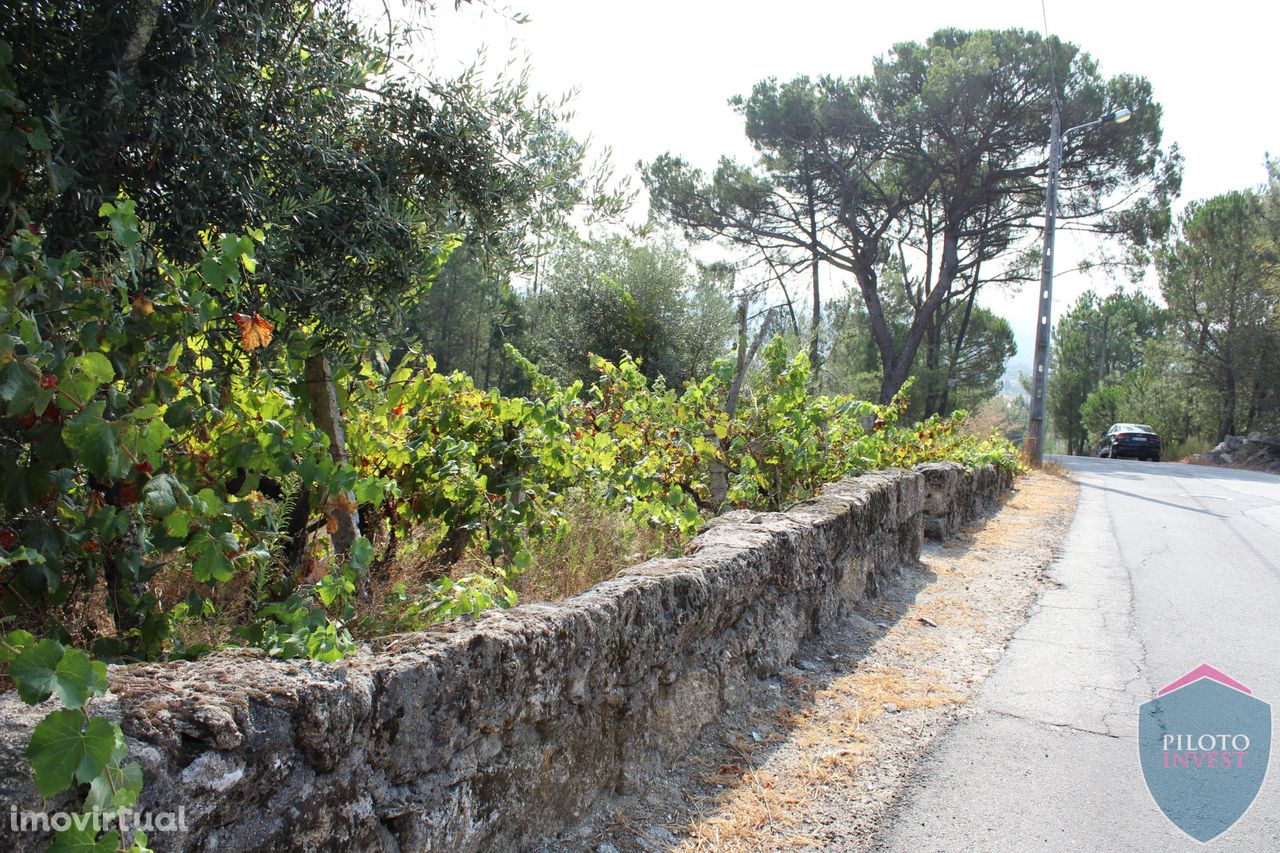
(1034, 444)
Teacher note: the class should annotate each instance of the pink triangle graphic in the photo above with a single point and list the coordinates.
(1204, 671)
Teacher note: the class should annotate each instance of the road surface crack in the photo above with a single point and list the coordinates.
(1051, 725)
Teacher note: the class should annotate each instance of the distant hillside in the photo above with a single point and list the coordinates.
(1011, 385)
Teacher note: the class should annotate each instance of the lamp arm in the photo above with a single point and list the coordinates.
(1121, 115)
(1085, 126)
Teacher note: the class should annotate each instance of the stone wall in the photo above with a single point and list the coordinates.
(955, 495)
(495, 734)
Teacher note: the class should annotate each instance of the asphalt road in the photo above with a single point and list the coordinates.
(1165, 567)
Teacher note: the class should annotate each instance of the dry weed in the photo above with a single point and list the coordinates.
(594, 543)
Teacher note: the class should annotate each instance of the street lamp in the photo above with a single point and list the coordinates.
(1034, 445)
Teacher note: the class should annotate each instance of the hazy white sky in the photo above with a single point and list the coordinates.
(655, 76)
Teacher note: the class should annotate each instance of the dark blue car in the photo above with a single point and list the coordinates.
(1130, 441)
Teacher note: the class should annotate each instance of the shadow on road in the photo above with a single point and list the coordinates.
(1084, 484)
(1133, 469)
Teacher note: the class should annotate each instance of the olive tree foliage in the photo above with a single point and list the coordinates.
(291, 122)
(613, 296)
(935, 163)
(289, 117)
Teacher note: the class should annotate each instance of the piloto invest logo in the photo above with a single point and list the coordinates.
(1204, 743)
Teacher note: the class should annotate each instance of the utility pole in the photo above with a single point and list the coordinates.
(1033, 446)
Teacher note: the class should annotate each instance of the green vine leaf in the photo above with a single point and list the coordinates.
(64, 748)
(74, 840)
(77, 678)
(211, 564)
(93, 439)
(33, 671)
(96, 366)
(15, 642)
(160, 497)
(17, 386)
(86, 374)
(115, 789)
(361, 553)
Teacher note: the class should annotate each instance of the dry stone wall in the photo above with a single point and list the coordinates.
(495, 734)
(955, 495)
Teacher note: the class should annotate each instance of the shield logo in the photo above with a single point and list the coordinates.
(1204, 743)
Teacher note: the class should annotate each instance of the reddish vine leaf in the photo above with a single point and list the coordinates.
(142, 306)
(341, 502)
(255, 331)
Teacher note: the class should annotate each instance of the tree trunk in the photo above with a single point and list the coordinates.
(786, 295)
(295, 548)
(1228, 424)
(815, 328)
(897, 362)
(148, 12)
(895, 376)
(933, 360)
(1255, 402)
(719, 474)
(327, 416)
(892, 375)
(488, 355)
(945, 408)
(120, 592)
(123, 559)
